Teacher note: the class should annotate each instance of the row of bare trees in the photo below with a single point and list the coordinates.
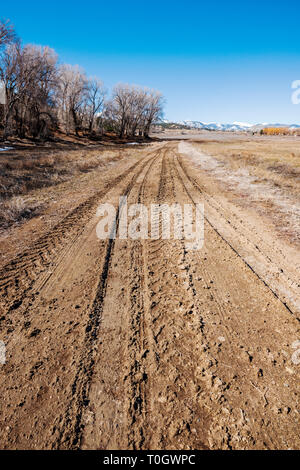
(78, 100)
(41, 95)
(133, 109)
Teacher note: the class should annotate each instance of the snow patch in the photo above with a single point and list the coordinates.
(135, 143)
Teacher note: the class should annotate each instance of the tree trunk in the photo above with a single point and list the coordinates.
(75, 122)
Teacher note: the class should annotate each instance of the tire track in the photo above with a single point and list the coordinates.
(163, 362)
(139, 344)
(21, 272)
(196, 185)
(72, 427)
(268, 435)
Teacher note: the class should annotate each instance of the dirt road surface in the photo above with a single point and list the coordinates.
(144, 344)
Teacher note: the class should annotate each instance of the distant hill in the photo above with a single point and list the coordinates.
(216, 126)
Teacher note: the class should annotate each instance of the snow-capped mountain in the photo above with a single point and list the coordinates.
(217, 126)
(235, 126)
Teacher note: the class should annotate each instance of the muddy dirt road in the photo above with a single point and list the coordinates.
(143, 344)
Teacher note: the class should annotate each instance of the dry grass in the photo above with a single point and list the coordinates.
(21, 174)
(277, 161)
(16, 209)
(265, 174)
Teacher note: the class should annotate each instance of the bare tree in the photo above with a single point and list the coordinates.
(95, 99)
(7, 36)
(134, 108)
(120, 107)
(137, 106)
(28, 75)
(153, 111)
(7, 32)
(71, 96)
(38, 95)
(39, 77)
(9, 76)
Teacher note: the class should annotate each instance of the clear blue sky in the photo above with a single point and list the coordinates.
(213, 61)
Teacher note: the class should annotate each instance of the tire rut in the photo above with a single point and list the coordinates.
(72, 428)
